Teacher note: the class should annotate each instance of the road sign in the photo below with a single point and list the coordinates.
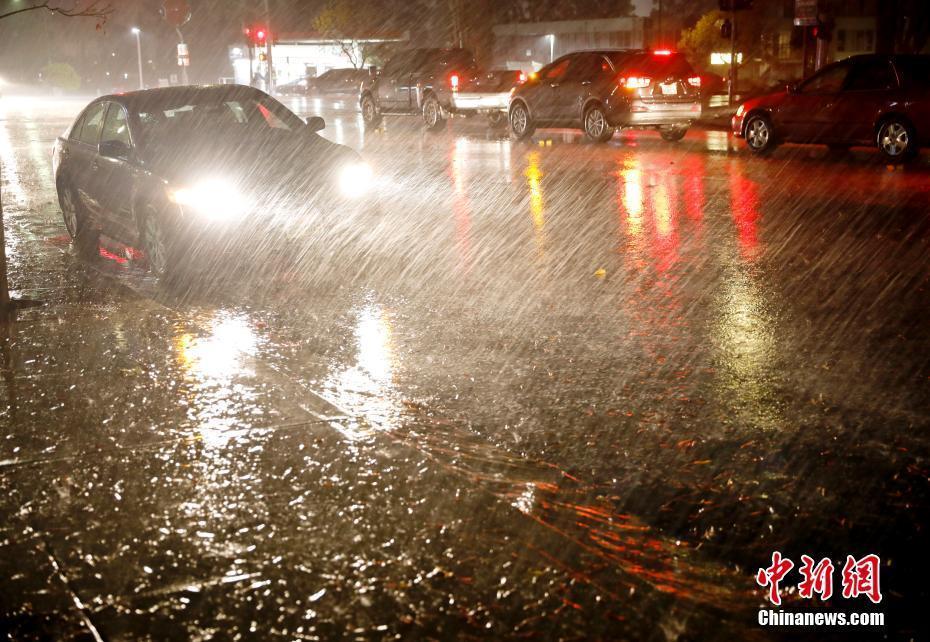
(805, 13)
(176, 12)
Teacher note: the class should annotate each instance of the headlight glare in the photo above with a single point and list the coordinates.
(355, 180)
(216, 199)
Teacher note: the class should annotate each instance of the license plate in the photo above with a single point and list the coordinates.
(670, 89)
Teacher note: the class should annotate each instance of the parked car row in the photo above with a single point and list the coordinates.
(874, 100)
(596, 91)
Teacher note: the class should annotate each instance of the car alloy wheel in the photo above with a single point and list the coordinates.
(894, 139)
(758, 134)
(69, 212)
(595, 125)
(369, 111)
(156, 246)
(432, 114)
(520, 124)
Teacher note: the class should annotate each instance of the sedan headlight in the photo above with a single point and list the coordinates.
(355, 179)
(215, 199)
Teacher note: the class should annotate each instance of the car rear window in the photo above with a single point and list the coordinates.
(457, 59)
(914, 71)
(652, 64)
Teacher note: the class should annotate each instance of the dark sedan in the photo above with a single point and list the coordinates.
(874, 100)
(338, 82)
(186, 171)
(601, 91)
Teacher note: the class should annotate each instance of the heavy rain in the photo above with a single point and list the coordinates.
(448, 320)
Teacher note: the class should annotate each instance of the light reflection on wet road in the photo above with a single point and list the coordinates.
(553, 389)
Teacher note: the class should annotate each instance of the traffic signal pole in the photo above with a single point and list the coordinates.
(731, 93)
(270, 81)
(184, 77)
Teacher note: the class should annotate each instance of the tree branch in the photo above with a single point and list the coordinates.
(95, 9)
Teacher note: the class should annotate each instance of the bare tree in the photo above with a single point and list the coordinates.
(77, 9)
(348, 23)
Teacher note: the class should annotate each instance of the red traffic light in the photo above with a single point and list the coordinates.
(256, 35)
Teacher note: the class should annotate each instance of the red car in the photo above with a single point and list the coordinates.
(881, 100)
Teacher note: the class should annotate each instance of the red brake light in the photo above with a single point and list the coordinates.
(662, 52)
(454, 81)
(635, 82)
(694, 81)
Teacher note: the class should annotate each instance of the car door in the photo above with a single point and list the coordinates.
(805, 112)
(870, 86)
(542, 95)
(114, 174)
(394, 85)
(84, 162)
(914, 74)
(586, 70)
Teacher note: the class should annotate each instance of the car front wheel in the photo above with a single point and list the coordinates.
(157, 246)
(760, 136)
(897, 140)
(85, 237)
(595, 125)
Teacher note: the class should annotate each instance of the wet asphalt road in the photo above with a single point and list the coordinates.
(551, 390)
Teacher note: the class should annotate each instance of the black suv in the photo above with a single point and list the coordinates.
(417, 81)
(600, 91)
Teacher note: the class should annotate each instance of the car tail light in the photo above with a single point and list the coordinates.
(454, 81)
(662, 52)
(694, 81)
(635, 82)
(521, 78)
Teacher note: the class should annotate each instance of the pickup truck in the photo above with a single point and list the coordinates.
(488, 94)
(417, 81)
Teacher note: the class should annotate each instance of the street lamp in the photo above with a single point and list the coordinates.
(138, 32)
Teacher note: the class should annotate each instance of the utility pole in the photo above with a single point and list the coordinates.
(731, 94)
(270, 82)
(138, 34)
(4, 284)
(8, 306)
(659, 39)
(184, 77)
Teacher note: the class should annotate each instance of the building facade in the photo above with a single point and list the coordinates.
(530, 45)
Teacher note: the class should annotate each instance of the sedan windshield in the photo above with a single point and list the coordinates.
(210, 114)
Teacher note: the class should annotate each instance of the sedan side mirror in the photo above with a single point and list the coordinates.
(113, 149)
(373, 70)
(316, 124)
